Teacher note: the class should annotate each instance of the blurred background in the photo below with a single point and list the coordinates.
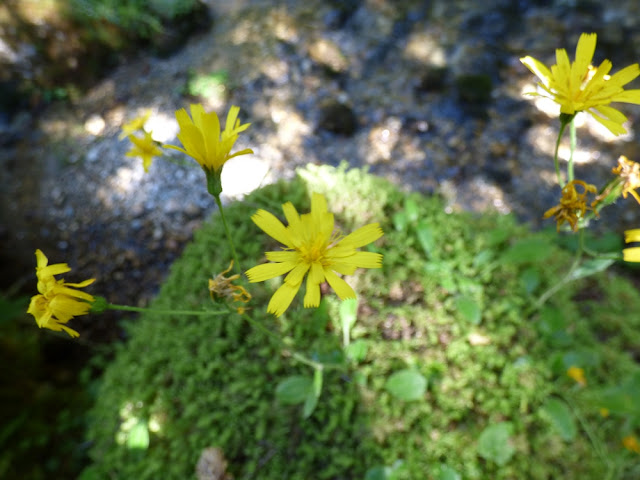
(428, 94)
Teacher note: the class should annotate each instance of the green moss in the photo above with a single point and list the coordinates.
(201, 382)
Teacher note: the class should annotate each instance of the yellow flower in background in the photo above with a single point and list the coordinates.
(579, 86)
(604, 412)
(577, 374)
(144, 147)
(631, 443)
(629, 173)
(312, 247)
(135, 124)
(572, 206)
(631, 254)
(202, 140)
(58, 301)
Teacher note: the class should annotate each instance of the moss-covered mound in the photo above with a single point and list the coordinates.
(452, 304)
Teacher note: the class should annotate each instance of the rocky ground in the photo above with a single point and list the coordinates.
(426, 94)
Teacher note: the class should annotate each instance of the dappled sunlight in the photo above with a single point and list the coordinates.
(425, 48)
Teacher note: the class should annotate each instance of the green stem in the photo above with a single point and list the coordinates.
(298, 356)
(597, 445)
(568, 277)
(228, 232)
(128, 308)
(572, 136)
(563, 125)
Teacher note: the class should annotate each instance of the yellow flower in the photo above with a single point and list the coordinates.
(579, 86)
(221, 287)
(202, 139)
(145, 148)
(312, 247)
(629, 173)
(577, 374)
(604, 412)
(631, 443)
(134, 125)
(572, 206)
(631, 254)
(57, 302)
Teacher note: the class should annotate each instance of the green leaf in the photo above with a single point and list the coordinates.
(348, 314)
(558, 413)
(530, 279)
(445, 472)
(310, 404)
(590, 267)
(411, 209)
(426, 238)
(406, 385)
(469, 309)
(534, 249)
(293, 390)
(138, 438)
(400, 221)
(357, 351)
(376, 473)
(494, 444)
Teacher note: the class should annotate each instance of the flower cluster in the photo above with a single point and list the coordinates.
(58, 301)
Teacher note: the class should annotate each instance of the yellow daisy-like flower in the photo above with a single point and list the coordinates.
(573, 205)
(58, 301)
(629, 173)
(577, 374)
(203, 141)
(631, 254)
(144, 147)
(135, 124)
(579, 86)
(312, 247)
(631, 443)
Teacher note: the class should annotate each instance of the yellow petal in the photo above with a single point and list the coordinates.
(282, 298)
(296, 275)
(272, 226)
(263, 272)
(538, 68)
(342, 288)
(628, 96)
(631, 254)
(363, 236)
(632, 235)
(584, 55)
(315, 278)
(291, 256)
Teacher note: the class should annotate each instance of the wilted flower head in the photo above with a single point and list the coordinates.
(629, 173)
(221, 287)
(58, 301)
(573, 205)
(312, 247)
(144, 147)
(206, 144)
(579, 86)
(631, 254)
